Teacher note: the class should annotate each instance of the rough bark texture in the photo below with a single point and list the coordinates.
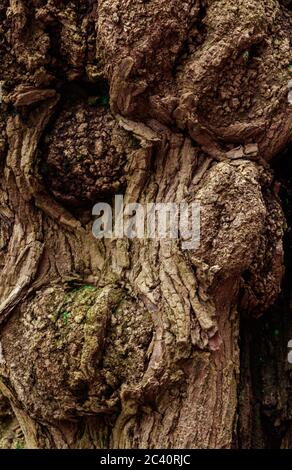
(119, 343)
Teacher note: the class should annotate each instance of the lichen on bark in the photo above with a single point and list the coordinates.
(137, 343)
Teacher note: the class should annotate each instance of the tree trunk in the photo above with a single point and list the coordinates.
(138, 343)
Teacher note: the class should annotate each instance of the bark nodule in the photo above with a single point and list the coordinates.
(118, 343)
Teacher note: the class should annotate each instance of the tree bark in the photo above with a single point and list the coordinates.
(118, 343)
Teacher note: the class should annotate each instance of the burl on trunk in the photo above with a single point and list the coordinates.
(135, 342)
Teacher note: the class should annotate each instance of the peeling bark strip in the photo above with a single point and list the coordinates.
(118, 343)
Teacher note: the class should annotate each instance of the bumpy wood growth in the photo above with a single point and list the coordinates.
(136, 343)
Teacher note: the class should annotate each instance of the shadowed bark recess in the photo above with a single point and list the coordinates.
(118, 343)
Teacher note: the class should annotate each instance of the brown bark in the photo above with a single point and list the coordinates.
(138, 343)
